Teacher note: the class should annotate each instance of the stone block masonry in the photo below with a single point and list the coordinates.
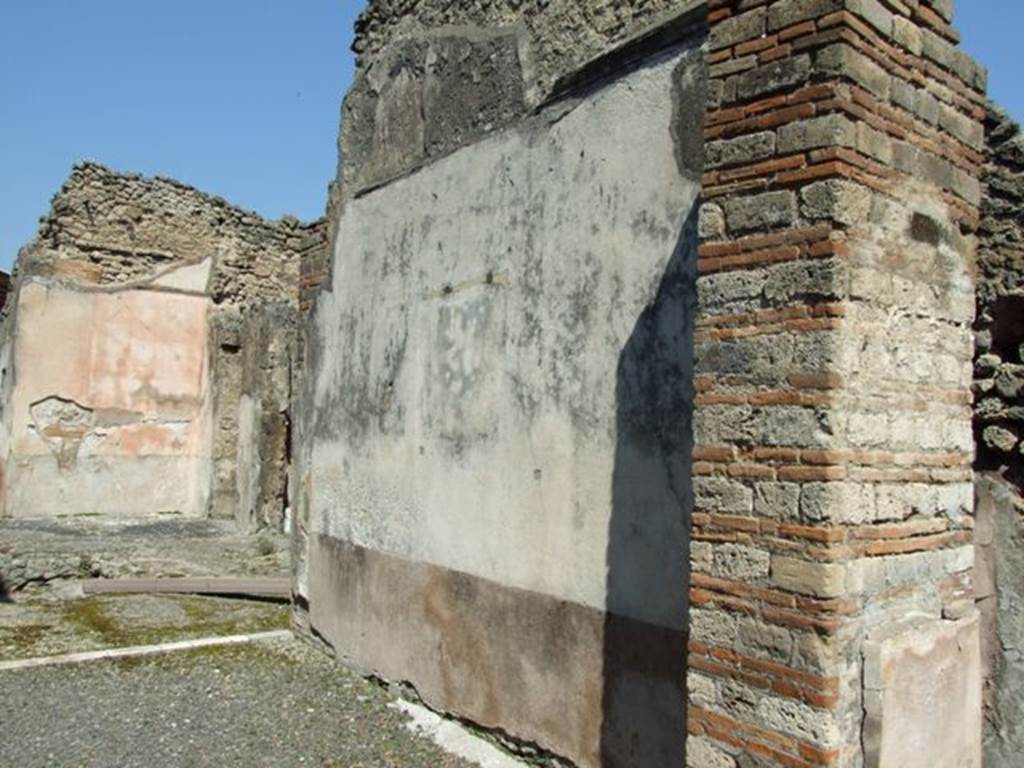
(514, 437)
(833, 439)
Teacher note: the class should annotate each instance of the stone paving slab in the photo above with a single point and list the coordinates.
(253, 586)
(40, 552)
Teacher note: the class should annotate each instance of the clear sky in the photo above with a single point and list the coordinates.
(239, 98)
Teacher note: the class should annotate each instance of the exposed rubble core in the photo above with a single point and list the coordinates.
(125, 377)
(556, 38)
(999, 366)
(999, 430)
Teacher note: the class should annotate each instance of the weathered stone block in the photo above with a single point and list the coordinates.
(1010, 381)
(841, 60)
(777, 500)
(907, 34)
(712, 222)
(789, 12)
(798, 719)
(765, 211)
(837, 502)
(713, 627)
(843, 201)
(740, 563)
(744, 149)
(738, 28)
(773, 77)
(874, 144)
(999, 439)
(826, 131)
(875, 14)
(759, 639)
(808, 578)
(922, 694)
(720, 494)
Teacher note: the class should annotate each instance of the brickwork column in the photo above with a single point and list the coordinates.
(833, 496)
(314, 263)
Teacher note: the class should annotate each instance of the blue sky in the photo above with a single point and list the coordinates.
(239, 98)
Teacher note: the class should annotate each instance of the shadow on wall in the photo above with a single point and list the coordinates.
(645, 634)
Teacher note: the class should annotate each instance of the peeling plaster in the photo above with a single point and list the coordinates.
(64, 425)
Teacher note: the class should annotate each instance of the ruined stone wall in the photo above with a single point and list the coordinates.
(999, 368)
(832, 563)
(5, 289)
(126, 370)
(494, 483)
(314, 263)
(999, 428)
(264, 446)
(399, 113)
(529, 406)
(555, 39)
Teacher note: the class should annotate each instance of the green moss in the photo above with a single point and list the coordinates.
(21, 640)
(106, 621)
(88, 615)
(248, 656)
(206, 618)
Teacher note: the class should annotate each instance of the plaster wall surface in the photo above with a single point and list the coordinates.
(269, 360)
(923, 672)
(111, 411)
(498, 422)
(128, 326)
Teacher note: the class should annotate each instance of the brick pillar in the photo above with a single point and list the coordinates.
(831, 551)
(314, 263)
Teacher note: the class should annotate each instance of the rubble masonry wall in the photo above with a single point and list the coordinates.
(125, 379)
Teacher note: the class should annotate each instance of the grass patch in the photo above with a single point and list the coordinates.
(23, 639)
(224, 656)
(109, 622)
(205, 618)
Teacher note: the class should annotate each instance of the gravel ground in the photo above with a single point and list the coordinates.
(272, 704)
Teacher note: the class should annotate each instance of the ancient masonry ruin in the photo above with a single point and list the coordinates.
(625, 403)
(147, 367)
